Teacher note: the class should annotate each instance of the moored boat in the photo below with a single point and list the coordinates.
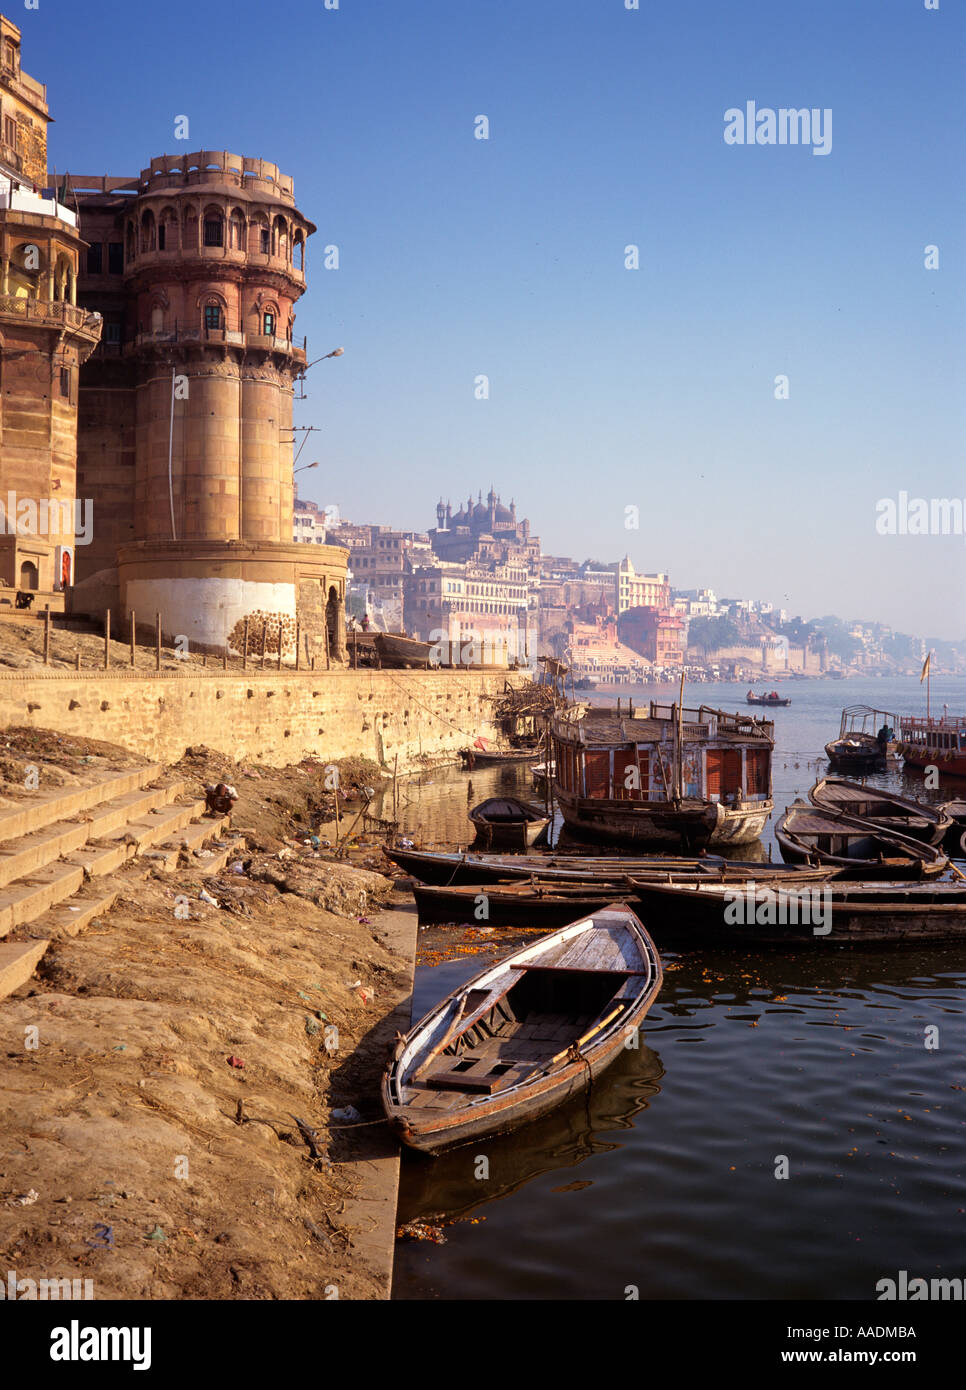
(866, 741)
(775, 914)
(545, 905)
(664, 777)
(497, 757)
(504, 822)
(773, 699)
(396, 650)
(473, 867)
(550, 904)
(525, 1034)
(939, 743)
(809, 835)
(886, 809)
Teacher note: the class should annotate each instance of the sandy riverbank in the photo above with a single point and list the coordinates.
(153, 1071)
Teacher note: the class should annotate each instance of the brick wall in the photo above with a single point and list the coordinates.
(275, 717)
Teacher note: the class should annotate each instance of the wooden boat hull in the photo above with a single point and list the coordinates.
(549, 905)
(659, 824)
(524, 1035)
(514, 905)
(855, 913)
(954, 766)
(686, 825)
(475, 757)
(740, 825)
(755, 700)
(468, 867)
(860, 755)
(393, 650)
(505, 822)
(885, 809)
(859, 849)
(510, 837)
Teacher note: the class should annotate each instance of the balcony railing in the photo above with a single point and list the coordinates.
(56, 311)
(232, 337)
(18, 200)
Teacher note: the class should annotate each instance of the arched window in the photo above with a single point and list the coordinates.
(157, 317)
(259, 236)
(236, 231)
(148, 239)
(214, 315)
(280, 239)
(214, 230)
(29, 577)
(298, 251)
(131, 242)
(268, 313)
(168, 230)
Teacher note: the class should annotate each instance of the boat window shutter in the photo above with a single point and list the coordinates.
(714, 771)
(724, 771)
(597, 771)
(757, 762)
(627, 784)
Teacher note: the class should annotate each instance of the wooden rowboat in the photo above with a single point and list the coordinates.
(504, 822)
(886, 809)
(525, 1034)
(546, 904)
(955, 811)
(472, 866)
(497, 757)
(808, 835)
(396, 650)
(841, 913)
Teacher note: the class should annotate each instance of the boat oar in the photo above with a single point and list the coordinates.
(578, 1044)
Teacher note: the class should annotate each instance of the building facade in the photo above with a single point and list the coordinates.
(640, 590)
(485, 531)
(186, 409)
(44, 340)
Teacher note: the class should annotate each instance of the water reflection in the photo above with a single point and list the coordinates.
(448, 1186)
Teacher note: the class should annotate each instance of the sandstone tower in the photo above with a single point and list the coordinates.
(44, 338)
(186, 410)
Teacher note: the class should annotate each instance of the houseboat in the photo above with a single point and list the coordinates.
(663, 775)
(937, 742)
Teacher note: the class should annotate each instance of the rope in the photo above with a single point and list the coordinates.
(435, 713)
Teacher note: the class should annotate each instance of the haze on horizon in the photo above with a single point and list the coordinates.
(608, 387)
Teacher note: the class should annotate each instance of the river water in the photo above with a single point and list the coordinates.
(663, 1179)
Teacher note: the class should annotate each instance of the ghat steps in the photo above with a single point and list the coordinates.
(59, 850)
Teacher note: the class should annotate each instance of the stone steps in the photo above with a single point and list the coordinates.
(57, 874)
(44, 808)
(25, 854)
(18, 961)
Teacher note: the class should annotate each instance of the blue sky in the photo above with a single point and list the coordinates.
(608, 387)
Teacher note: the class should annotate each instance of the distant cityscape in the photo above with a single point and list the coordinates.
(481, 574)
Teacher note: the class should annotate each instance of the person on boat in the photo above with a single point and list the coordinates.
(220, 798)
(884, 737)
(365, 622)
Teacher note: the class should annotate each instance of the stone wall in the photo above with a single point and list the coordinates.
(276, 717)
